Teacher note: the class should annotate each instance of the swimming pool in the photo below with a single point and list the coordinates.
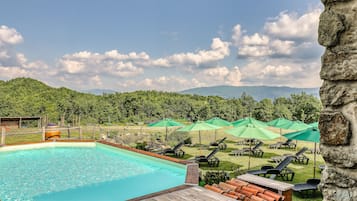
(100, 173)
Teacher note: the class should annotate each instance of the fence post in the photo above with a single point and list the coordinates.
(3, 134)
(43, 133)
(80, 133)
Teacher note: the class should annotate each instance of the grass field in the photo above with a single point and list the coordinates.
(233, 164)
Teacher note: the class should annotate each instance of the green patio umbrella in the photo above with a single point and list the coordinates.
(279, 122)
(248, 120)
(199, 126)
(218, 122)
(166, 122)
(310, 135)
(315, 124)
(252, 131)
(295, 125)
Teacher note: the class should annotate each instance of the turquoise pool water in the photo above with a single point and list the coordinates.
(99, 173)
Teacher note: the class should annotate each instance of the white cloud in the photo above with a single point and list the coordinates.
(286, 35)
(237, 33)
(219, 50)
(281, 47)
(221, 75)
(291, 26)
(9, 36)
(162, 83)
(255, 51)
(277, 71)
(12, 72)
(234, 77)
(96, 80)
(255, 39)
(281, 72)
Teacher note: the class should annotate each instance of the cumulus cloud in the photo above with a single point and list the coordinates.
(292, 26)
(281, 72)
(14, 64)
(219, 50)
(109, 63)
(222, 75)
(287, 35)
(237, 33)
(9, 36)
(162, 83)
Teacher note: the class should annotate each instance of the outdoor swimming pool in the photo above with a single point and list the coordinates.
(95, 173)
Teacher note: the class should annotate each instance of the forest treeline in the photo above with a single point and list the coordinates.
(29, 97)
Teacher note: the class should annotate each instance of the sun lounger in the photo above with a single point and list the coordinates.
(299, 157)
(280, 170)
(175, 150)
(304, 189)
(220, 144)
(210, 158)
(287, 144)
(254, 151)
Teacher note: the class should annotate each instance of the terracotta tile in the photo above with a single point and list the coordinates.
(274, 195)
(213, 188)
(260, 189)
(231, 196)
(252, 190)
(256, 198)
(227, 186)
(239, 186)
(266, 197)
(246, 193)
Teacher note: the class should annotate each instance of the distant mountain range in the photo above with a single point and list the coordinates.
(257, 92)
(98, 91)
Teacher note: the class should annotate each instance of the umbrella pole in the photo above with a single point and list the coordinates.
(166, 134)
(215, 135)
(199, 136)
(314, 159)
(250, 148)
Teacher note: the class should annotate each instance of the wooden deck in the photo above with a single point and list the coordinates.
(185, 193)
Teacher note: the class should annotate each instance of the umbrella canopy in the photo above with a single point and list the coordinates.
(252, 131)
(218, 122)
(167, 122)
(248, 120)
(199, 126)
(279, 122)
(315, 124)
(295, 125)
(311, 134)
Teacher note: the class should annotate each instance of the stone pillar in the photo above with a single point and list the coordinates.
(338, 119)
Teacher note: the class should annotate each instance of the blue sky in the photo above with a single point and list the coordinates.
(161, 45)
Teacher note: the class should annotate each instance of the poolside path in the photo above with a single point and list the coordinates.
(185, 193)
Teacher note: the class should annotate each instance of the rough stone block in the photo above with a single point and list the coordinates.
(340, 65)
(333, 1)
(333, 193)
(338, 178)
(330, 28)
(334, 128)
(338, 93)
(340, 156)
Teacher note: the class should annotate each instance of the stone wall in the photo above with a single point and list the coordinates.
(338, 120)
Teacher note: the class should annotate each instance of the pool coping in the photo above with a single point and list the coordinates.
(170, 190)
(155, 155)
